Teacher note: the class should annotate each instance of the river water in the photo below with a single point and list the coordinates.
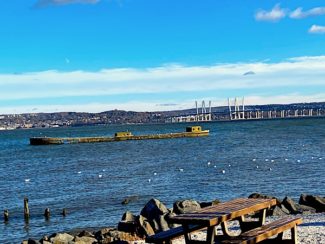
(275, 157)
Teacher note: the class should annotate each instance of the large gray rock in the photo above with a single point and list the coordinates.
(128, 216)
(155, 211)
(86, 233)
(258, 195)
(85, 240)
(103, 235)
(144, 228)
(127, 226)
(303, 209)
(296, 208)
(315, 202)
(186, 206)
(290, 204)
(208, 204)
(31, 241)
(62, 238)
(279, 211)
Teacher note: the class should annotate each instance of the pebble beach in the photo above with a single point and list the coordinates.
(311, 231)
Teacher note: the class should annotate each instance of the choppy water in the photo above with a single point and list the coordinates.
(279, 157)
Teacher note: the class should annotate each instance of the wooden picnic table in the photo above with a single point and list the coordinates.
(212, 216)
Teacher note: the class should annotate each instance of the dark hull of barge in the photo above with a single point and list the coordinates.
(72, 140)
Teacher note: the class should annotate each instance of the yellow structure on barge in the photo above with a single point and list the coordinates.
(191, 131)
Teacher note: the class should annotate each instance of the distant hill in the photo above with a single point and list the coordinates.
(39, 120)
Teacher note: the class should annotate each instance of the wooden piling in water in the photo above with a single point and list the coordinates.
(6, 215)
(64, 212)
(26, 209)
(47, 213)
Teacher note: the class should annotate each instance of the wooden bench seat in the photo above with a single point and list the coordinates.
(264, 232)
(168, 235)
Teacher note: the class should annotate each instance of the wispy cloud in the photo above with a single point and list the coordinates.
(317, 29)
(45, 3)
(152, 88)
(300, 14)
(274, 15)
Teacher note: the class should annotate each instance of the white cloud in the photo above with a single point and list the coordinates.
(303, 76)
(273, 15)
(155, 106)
(44, 3)
(300, 14)
(317, 29)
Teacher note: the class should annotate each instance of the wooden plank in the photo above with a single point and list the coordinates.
(170, 234)
(214, 215)
(264, 232)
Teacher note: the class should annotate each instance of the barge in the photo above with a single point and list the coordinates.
(191, 131)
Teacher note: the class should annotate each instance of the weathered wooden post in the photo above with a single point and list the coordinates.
(64, 212)
(26, 209)
(6, 215)
(47, 213)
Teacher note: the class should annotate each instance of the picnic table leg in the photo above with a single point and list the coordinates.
(224, 227)
(210, 234)
(294, 237)
(248, 225)
(187, 234)
(262, 217)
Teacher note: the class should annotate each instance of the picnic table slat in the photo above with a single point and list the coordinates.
(224, 211)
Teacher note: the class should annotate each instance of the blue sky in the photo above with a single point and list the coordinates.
(96, 55)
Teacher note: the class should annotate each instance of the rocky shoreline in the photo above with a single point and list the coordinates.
(154, 217)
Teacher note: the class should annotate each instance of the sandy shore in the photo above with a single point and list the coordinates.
(312, 231)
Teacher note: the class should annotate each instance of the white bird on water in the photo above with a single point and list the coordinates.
(286, 159)
(257, 166)
(272, 161)
(181, 170)
(266, 160)
(79, 172)
(100, 176)
(209, 163)
(149, 180)
(320, 158)
(155, 173)
(298, 161)
(254, 159)
(27, 180)
(270, 169)
(223, 171)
